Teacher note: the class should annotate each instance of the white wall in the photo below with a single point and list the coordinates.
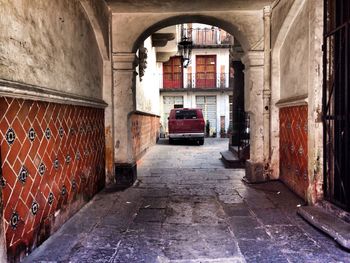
(147, 90)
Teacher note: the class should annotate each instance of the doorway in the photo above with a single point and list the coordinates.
(336, 99)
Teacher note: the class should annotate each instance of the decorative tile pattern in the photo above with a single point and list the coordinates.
(31, 134)
(10, 136)
(41, 171)
(14, 220)
(293, 148)
(144, 132)
(23, 175)
(35, 207)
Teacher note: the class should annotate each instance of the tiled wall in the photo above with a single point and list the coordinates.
(52, 155)
(144, 132)
(293, 148)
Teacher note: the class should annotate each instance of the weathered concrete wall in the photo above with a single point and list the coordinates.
(246, 26)
(144, 133)
(49, 44)
(103, 16)
(294, 57)
(52, 160)
(279, 14)
(296, 84)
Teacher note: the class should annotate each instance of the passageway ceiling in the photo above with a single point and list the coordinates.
(157, 6)
(241, 18)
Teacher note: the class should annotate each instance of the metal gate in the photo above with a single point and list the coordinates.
(336, 101)
(208, 106)
(170, 102)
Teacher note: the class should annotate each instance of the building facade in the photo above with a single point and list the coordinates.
(203, 81)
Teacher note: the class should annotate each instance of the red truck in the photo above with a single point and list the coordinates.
(186, 123)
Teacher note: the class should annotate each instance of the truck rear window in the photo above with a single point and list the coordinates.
(185, 114)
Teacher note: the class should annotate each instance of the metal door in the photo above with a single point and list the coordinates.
(336, 100)
(170, 102)
(208, 106)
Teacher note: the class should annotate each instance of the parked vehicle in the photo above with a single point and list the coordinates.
(186, 123)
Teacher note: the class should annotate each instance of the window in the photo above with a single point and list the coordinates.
(185, 114)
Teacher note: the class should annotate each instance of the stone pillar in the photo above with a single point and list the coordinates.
(254, 105)
(267, 82)
(123, 104)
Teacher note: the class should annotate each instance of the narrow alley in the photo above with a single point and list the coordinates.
(186, 207)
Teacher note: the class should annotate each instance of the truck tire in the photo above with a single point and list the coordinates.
(171, 141)
(201, 141)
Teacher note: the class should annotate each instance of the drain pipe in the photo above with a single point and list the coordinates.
(267, 84)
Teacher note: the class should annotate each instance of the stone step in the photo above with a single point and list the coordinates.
(328, 223)
(231, 160)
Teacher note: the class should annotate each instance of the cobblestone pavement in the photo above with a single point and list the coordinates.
(186, 207)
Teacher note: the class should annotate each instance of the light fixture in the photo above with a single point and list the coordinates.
(185, 47)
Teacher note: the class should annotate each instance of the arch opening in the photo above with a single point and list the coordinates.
(207, 83)
(188, 18)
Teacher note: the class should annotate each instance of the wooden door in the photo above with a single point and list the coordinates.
(206, 71)
(173, 73)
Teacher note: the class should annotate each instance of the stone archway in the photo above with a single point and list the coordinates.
(247, 27)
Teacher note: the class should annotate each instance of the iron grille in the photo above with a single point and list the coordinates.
(336, 102)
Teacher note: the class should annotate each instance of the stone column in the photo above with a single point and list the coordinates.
(123, 104)
(267, 81)
(254, 105)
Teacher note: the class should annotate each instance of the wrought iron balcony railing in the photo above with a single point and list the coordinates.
(208, 36)
(195, 80)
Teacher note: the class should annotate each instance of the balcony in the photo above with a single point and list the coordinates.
(209, 37)
(195, 81)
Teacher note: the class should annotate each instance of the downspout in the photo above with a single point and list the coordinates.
(267, 86)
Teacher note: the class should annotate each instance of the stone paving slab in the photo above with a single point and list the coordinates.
(192, 214)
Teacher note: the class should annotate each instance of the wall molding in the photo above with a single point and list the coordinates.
(144, 114)
(293, 101)
(36, 93)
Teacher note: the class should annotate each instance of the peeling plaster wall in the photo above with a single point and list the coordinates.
(246, 26)
(296, 85)
(280, 11)
(294, 58)
(102, 14)
(49, 44)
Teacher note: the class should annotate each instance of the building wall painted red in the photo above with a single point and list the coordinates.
(144, 132)
(293, 149)
(52, 159)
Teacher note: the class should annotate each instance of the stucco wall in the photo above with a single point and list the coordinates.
(49, 44)
(280, 11)
(102, 14)
(147, 89)
(246, 26)
(294, 58)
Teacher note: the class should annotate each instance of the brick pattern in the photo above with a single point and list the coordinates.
(51, 154)
(144, 132)
(293, 148)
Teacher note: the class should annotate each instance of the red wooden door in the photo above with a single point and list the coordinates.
(206, 71)
(173, 73)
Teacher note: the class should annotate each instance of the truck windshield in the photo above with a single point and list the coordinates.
(185, 114)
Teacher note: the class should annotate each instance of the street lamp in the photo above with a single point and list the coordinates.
(185, 48)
